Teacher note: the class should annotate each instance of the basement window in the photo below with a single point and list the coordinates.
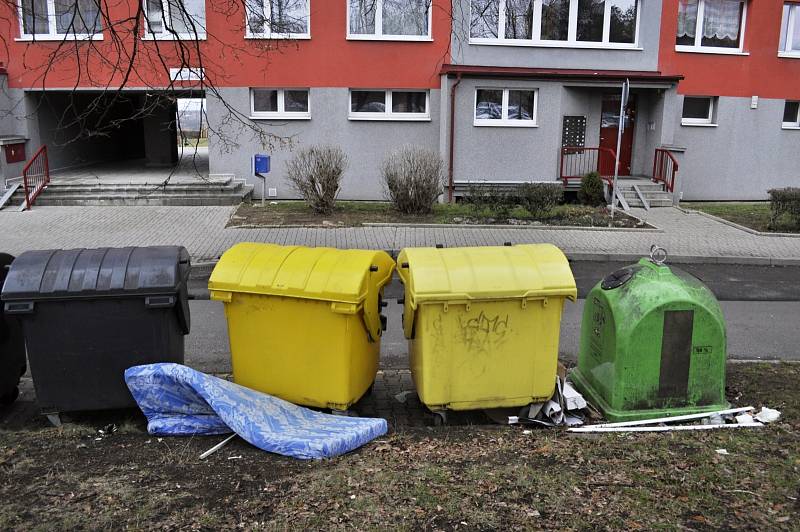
(505, 107)
(394, 20)
(278, 19)
(57, 20)
(175, 19)
(698, 111)
(410, 105)
(285, 104)
(791, 115)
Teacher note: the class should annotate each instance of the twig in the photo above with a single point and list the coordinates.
(217, 447)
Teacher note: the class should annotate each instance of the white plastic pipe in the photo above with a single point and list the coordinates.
(685, 417)
(669, 428)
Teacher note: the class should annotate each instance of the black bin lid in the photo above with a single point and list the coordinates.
(103, 272)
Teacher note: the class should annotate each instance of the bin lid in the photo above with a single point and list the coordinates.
(325, 274)
(88, 273)
(496, 272)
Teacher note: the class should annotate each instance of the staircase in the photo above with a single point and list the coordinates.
(653, 192)
(217, 190)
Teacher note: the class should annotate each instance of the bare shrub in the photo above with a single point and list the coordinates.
(412, 179)
(540, 199)
(316, 174)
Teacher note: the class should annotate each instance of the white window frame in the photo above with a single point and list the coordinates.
(165, 35)
(276, 36)
(785, 49)
(281, 113)
(572, 31)
(698, 48)
(504, 121)
(187, 74)
(796, 123)
(389, 114)
(702, 122)
(52, 25)
(379, 36)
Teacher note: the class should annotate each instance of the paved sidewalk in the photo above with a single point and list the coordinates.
(687, 237)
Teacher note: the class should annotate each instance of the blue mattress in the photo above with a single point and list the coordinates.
(180, 401)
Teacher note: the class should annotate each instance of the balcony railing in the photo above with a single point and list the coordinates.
(35, 176)
(665, 169)
(577, 161)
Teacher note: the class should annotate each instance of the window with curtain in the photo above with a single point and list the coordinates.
(277, 18)
(390, 19)
(594, 22)
(710, 23)
(59, 18)
(790, 30)
(176, 19)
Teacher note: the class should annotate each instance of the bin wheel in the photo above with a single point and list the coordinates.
(54, 419)
(10, 397)
(439, 419)
(344, 413)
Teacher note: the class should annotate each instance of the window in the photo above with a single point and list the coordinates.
(790, 31)
(60, 19)
(698, 111)
(579, 23)
(715, 26)
(175, 19)
(408, 20)
(278, 19)
(505, 107)
(280, 103)
(389, 105)
(791, 115)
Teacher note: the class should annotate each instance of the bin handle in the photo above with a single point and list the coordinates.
(19, 308)
(159, 301)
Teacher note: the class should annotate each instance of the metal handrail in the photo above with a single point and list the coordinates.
(577, 161)
(36, 176)
(665, 168)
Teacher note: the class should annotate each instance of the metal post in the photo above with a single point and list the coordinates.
(620, 130)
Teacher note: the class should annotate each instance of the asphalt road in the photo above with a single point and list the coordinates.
(761, 306)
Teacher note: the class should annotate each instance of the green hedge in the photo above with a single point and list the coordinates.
(784, 201)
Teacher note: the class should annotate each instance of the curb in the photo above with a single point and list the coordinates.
(651, 229)
(737, 226)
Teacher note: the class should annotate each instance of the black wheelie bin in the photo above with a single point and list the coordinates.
(12, 346)
(87, 315)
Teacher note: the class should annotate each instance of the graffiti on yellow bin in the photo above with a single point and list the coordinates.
(483, 332)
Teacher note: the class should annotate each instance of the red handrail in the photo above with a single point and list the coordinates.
(577, 161)
(35, 176)
(665, 168)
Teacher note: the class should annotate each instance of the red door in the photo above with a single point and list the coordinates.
(609, 126)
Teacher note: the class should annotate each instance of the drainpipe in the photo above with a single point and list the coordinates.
(450, 185)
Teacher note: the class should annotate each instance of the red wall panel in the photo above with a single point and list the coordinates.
(328, 59)
(761, 73)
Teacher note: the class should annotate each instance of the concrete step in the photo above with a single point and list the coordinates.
(647, 194)
(653, 203)
(643, 185)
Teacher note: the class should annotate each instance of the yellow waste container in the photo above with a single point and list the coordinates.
(304, 323)
(483, 323)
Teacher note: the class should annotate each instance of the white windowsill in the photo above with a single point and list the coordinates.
(387, 118)
(502, 123)
(170, 37)
(695, 124)
(280, 118)
(278, 36)
(402, 38)
(56, 38)
(708, 50)
(791, 127)
(556, 44)
(789, 55)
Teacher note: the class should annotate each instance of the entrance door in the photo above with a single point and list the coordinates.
(609, 126)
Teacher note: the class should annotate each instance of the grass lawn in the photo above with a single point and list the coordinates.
(439, 478)
(354, 213)
(754, 215)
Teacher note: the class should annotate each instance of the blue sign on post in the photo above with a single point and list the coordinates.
(260, 164)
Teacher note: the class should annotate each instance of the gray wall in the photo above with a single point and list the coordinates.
(549, 57)
(13, 122)
(740, 159)
(365, 142)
